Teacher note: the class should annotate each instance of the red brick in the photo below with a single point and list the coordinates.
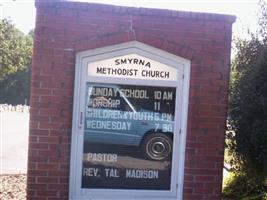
(50, 140)
(38, 146)
(47, 193)
(36, 173)
(37, 186)
(204, 178)
(47, 166)
(38, 159)
(59, 187)
(47, 180)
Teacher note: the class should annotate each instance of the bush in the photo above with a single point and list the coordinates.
(247, 136)
(241, 186)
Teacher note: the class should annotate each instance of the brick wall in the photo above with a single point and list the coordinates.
(64, 28)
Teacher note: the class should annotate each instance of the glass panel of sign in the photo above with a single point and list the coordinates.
(128, 137)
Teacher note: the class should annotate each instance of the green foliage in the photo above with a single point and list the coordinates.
(248, 122)
(248, 105)
(15, 61)
(15, 89)
(247, 131)
(241, 186)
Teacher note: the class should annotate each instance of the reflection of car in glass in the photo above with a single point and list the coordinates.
(112, 119)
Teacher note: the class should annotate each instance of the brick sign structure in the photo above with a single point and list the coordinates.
(127, 103)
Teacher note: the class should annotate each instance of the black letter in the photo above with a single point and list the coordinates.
(148, 64)
(99, 71)
(117, 62)
(124, 61)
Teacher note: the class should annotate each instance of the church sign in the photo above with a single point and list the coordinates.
(129, 123)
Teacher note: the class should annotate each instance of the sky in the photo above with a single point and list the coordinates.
(22, 12)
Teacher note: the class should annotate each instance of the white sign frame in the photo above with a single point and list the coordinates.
(182, 96)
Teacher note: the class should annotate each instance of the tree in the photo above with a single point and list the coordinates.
(248, 116)
(15, 61)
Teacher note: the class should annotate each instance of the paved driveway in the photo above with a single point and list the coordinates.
(14, 132)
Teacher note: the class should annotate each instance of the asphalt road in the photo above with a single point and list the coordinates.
(14, 132)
